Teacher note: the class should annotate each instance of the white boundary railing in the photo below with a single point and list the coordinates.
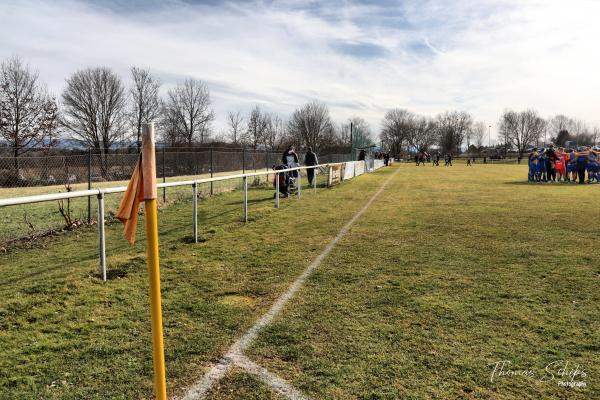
(100, 193)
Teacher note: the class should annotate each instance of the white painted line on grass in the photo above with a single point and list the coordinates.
(277, 384)
(236, 351)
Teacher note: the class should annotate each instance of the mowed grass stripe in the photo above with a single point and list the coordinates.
(450, 270)
(66, 335)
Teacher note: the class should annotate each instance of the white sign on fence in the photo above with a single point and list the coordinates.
(349, 170)
(359, 168)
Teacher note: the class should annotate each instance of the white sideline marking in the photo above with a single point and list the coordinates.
(277, 384)
(236, 352)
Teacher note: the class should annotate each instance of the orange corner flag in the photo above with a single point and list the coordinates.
(130, 205)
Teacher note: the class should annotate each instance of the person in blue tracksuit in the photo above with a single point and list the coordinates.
(572, 166)
(541, 167)
(581, 163)
(591, 165)
(533, 160)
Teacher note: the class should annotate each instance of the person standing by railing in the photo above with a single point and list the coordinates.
(290, 159)
(310, 159)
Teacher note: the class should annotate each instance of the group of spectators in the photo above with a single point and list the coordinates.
(422, 156)
(290, 159)
(383, 156)
(566, 165)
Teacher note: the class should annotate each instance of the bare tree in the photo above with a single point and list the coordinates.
(478, 131)
(422, 133)
(395, 129)
(361, 130)
(235, 122)
(522, 128)
(28, 115)
(358, 129)
(168, 127)
(274, 133)
(258, 122)
(312, 125)
(452, 129)
(94, 103)
(581, 133)
(559, 123)
(145, 104)
(188, 108)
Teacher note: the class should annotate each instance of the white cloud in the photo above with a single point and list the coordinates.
(479, 57)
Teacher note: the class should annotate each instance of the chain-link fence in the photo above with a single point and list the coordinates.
(48, 171)
(48, 167)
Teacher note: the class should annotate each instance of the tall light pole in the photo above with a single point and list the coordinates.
(351, 156)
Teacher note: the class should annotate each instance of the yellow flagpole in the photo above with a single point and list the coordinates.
(150, 194)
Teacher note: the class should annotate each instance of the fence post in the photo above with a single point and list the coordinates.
(89, 160)
(299, 183)
(315, 180)
(243, 160)
(267, 159)
(211, 169)
(164, 177)
(267, 153)
(276, 190)
(328, 175)
(101, 236)
(245, 199)
(195, 211)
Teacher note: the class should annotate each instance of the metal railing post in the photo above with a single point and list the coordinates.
(195, 211)
(101, 236)
(299, 183)
(212, 167)
(243, 160)
(89, 218)
(164, 178)
(267, 153)
(276, 190)
(315, 180)
(245, 199)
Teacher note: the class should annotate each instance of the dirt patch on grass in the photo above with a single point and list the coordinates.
(238, 301)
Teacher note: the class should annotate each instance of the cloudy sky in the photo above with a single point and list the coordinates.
(359, 57)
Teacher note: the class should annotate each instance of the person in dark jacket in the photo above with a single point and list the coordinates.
(310, 159)
(290, 158)
(551, 163)
(362, 155)
(448, 160)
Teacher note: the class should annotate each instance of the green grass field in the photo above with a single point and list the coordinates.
(448, 272)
